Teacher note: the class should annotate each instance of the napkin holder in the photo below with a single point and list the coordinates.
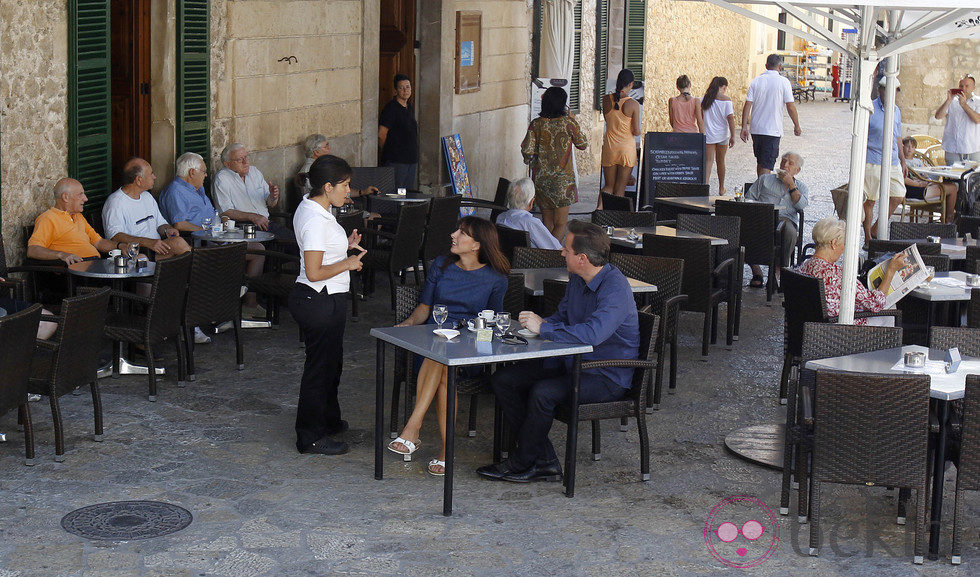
(952, 360)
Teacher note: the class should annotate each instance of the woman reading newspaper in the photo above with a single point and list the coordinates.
(828, 235)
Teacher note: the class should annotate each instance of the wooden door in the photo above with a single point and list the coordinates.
(397, 46)
(130, 82)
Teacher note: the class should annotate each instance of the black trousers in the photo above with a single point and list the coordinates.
(529, 394)
(322, 317)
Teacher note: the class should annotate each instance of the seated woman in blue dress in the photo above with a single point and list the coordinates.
(473, 277)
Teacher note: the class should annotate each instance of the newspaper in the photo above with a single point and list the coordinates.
(904, 281)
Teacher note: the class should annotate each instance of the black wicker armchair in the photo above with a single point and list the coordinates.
(402, 252)
(537, 258)
(439, 225)
(512, 238)
(18, 332)
(614, 202)
(760, 234)
(968, 469)
(624, 219)
(914, 230)
(730, 229)
(213, 295)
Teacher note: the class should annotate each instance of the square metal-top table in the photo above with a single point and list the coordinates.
(702, 204)
(464, 351)
(954, 248)
(943, 387)
(620, 236)
(534, 280)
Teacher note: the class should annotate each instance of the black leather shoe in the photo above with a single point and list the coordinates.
(344, 427)
(327, 446)
(498, 471)
(548, 471)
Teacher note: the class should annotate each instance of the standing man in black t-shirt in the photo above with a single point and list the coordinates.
(398, 134)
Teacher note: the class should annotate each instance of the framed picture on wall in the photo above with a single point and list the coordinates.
(469, 49)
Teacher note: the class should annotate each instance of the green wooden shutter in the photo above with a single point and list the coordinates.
(635, 36)
(601, 50)
(193, 83)
(574, 88)
(89, 130)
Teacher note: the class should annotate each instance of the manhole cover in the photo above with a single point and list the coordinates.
(126, 520)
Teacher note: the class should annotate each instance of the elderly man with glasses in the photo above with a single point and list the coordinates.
(240, 189)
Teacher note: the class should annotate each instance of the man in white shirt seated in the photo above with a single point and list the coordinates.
(520, 199)
(241, 191)
(131, 214)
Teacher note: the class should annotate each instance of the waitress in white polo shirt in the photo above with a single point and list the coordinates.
(318, 302)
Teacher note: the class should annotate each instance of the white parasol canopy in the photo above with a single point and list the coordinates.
(906, 26)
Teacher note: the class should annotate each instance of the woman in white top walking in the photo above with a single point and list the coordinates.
(719, 127)
(318, 302)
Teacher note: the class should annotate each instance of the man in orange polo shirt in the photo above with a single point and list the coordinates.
(62, 233)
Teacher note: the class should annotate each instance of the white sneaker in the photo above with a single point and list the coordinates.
(200, 338)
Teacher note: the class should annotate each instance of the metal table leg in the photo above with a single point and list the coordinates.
(939, 468)
(447, 486)
(571, 446)
(379, 410)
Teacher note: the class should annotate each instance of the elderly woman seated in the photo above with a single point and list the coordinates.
(828, 235)
(520, 199)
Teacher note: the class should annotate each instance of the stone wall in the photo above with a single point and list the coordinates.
(925, 75)
(272, 104)
(33, 111)
(493, 120)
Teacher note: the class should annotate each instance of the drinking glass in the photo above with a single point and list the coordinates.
(439, 314)
(503, 322)
(134, 249)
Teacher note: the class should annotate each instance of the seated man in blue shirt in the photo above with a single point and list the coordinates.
(520, 199)
(183, 201)
(788, 195)
(598, 310)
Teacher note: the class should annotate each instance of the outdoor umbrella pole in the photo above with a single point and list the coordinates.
(888, 132)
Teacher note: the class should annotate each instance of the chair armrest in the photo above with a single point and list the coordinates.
(51, 318)
(728, 262)
(674, 301)
(672, 223)
(634, 363)
(50, 345)
(131, 297)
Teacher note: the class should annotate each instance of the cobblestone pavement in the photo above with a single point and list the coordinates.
(222, 447)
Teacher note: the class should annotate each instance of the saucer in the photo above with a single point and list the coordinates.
(527, 334)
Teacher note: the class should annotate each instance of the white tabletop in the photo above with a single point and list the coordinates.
(940, 172)
(237, 235)
(947, 286)
(620, 236)
(946, 387)
(407, 197)
(104, 268)
(465, 350)
(534, 280)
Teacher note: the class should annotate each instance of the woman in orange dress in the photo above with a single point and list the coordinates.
(622, 115)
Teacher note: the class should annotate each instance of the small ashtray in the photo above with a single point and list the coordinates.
(915, 359)
(249, 230)
(142, 261)
(973, 280)
(120, 261)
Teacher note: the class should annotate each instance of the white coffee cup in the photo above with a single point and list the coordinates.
(114, 253)
(487, 315)
(229, 225)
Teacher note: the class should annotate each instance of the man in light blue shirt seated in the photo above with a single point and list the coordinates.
(183, 202)
(520, 199)
(598, 309)
(788, 195)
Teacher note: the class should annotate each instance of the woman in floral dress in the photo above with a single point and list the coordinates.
(547, 148)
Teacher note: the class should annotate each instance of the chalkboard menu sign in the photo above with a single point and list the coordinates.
(673, 157)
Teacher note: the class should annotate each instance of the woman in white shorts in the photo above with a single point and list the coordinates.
(719, 127)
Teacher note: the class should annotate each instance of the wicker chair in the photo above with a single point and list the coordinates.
(37, 275)
(968, 469)
(871, 429)
(761, 234)
(878, 246)
(667, 274)
(515, 299)
(820, 341)
(623, 219)
(213, 295)
(728, 228)
(973, 312)
(403, 252)
(511, 238)
(537, 258)
(70, 359)
(913, 230)
(164, 309)
(554, 292)
(499, 197)
(614, 202)
(630, 406)
(804, 301)
(702, 282)
(18, 332)
(440, 223)
(968, 224)
(276, 280)
(972, 264)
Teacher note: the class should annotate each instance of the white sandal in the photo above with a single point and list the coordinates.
(412, 447)
(436, 463)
